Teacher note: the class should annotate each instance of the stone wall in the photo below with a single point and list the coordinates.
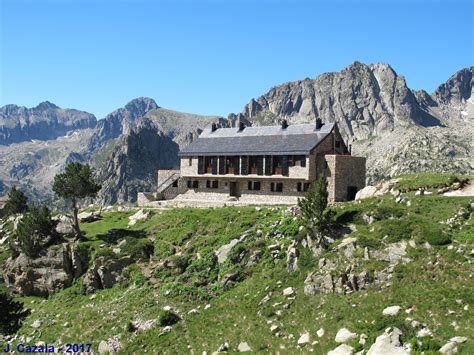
(189, 170)
(342, 171)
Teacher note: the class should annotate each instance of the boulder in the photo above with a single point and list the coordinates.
(141, 215)
(344, 335)
(391, 311)
(449, 348)
(105, 273)
(229, 280)
(388, 344)
(223, 252)
(292, 257)
(342, 349)
(288, 292)
(87, 217)
(366, 192)
(65, 224)
(56, 269)
(304, 339)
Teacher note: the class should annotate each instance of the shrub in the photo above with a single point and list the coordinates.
(168, 318)
(36, 230)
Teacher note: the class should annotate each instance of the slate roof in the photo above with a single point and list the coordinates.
(295, 140)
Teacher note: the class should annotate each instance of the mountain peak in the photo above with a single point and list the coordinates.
(46, 105)
(141, 104)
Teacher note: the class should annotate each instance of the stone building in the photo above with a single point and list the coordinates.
(266, 165)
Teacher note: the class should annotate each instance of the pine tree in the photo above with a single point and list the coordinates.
(74, 184)
(17, 202)
(36, 230)
(317, 218)
(11, 314)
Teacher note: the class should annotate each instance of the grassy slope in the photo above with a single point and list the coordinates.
(431, 283)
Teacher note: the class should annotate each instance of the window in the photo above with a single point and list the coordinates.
(190, 184)
(175, 183)
(190, 161)
(276, 187)
(254, 185)
(306, 186)
(215, 184)
(326, 165)
(195, 184)
(208, 184)
(298, 187)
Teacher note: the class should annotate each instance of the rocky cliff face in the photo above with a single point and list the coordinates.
(43, 122)
(134, 161)
(397, 129)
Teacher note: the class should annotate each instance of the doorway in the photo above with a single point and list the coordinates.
(234, 189)
(351, 193)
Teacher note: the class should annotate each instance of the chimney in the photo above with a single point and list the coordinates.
(319, 123)
(241, 126)
(284, 124)
(213, 127)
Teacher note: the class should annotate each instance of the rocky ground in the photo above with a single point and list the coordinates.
(394, 276)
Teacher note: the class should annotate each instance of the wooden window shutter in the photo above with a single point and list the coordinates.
(236, 165)
(245, 165)
(259, 165)
(221, 165)
(268, 165)
(201, 165)
(214, 165)
(284, 165)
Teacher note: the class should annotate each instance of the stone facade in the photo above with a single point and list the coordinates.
(207, 177)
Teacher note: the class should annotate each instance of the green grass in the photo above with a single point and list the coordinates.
(429, 181)
(431, 284)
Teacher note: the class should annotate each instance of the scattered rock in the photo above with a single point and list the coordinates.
(223, 348)
(104, 348)
(391, 311)
(344, 335)
(244, 347)
(36, 324)
(274, 329)
(320, 332)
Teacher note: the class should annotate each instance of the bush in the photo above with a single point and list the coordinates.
(36, 230)
(138, 249)
(168, 318)
(11, 315)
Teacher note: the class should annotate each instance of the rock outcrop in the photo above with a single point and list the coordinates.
(56, 269)
(105, 273)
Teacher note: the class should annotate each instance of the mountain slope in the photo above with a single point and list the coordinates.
(43, 122)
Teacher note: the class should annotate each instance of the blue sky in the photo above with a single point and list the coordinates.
(212, 57)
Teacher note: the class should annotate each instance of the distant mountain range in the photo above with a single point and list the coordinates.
(398, 129)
